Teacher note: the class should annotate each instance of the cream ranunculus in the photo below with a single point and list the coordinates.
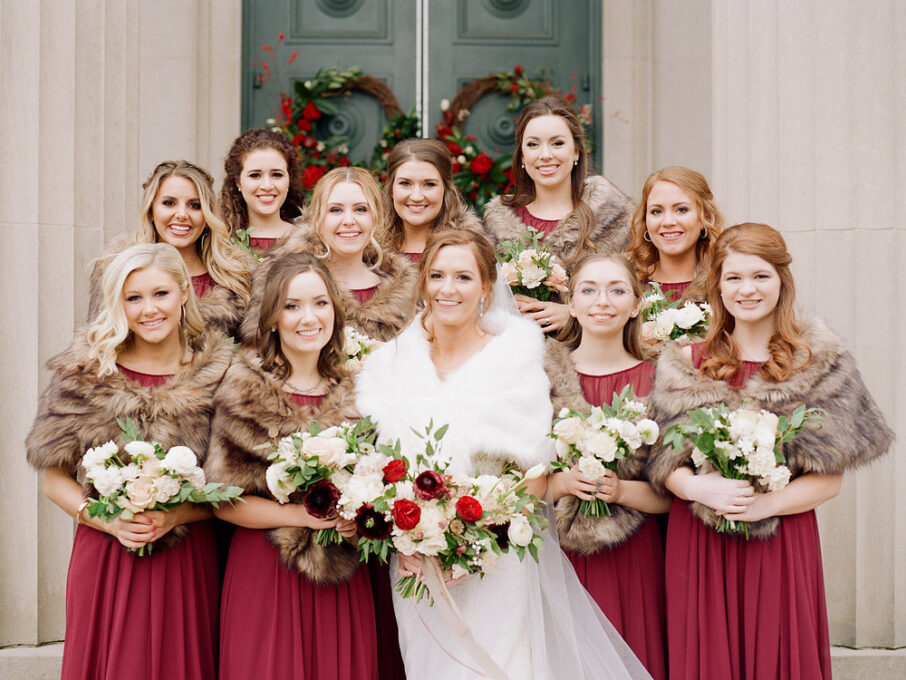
(520, 531)
(152, 466)
(181, 460)
(600, 444)
(649, 430)
(664, 323)
(509, 273)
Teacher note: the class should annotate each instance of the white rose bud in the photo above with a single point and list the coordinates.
(536, 471)
(520, 531)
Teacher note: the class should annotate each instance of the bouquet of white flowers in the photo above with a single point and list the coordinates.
(465, 523)
(670, 321)
(741, 444)
(355, 346)
(599, 439)
(152, 479)
(306, 462)
(530, 269)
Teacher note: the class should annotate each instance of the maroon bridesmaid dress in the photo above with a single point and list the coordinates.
(275, 623)
(737, 608)
(142, 618)
(261, 244)
(543, 226)
(202, 283)
(413, 257)
(674, 291)
(363, 294)
(627, 580)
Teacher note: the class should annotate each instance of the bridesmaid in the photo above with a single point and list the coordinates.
(576, 213)
(672, 230)
(261, 188)
(755, 608)
(146, 357)
(619, 559)
(291, 608)
(378, 290)
(423, 197)
(179, 208)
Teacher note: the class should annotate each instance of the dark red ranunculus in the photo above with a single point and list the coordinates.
(311, 175)
(481, 164)
(311, 111)
(468, 509)
(429, 485)
(321, 499)
(406, 514)
(500, 531)
(371, 524)
(395, 470)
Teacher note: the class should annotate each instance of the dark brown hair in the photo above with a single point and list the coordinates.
(524, 187)
(723, 358)
(232, 206)
(267, 343)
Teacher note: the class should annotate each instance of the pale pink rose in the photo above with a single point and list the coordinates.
(140, 493)
(570, 430)
(557, 279)
(509, 273)
(317, 446)
(151, 467)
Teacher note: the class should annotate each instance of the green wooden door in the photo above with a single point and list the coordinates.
(425, 51)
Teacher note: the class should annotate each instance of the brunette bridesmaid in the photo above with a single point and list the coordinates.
(575, 212)
(673, 228)
(145, 357)
(421, 197)
(262, 192)
(755, 608)
(291, 607)
(377, 289)
(619, 559)
(179, 208)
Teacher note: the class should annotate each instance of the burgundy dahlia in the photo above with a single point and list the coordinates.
(429, 485)
(321, 499)
(371, 524)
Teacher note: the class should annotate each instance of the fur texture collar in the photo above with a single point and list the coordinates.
(496, 403)
(383, 316)
(852, 432)
(611, 207)
(252, 409)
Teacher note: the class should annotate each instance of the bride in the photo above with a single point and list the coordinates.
(471, 362)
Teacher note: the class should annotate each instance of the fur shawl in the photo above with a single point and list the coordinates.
(78, 410)
(383, 316)
(611, 207)
(220, 307)
(852, 431)
(251, 409)
(496, 404)
(581, 534)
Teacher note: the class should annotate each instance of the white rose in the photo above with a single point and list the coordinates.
(527, 257)
(107, 480)
(591, 467)
(278, 481)
(520, 531)
(108, 449)
(317, 447)
(561, 448)
(404, 544)
(689, 315)
(570, 430)
(196, 478)
(181, 460)
(140, 448)
(648, 430)
(352, 365)
(532, 275)
(664, 323)
(600, 444)
(165, 488)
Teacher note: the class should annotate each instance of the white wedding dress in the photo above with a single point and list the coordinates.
(536, 621)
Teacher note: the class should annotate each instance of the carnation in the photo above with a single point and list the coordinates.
(779, 478)
(570, 430)
(532, 275)
(181, 460)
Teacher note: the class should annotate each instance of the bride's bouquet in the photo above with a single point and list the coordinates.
(152, 479)
(356, 346)
(530, 269)
(305, 464)
(597, 440)
(464, 523)
(741, 444)
(670, 321)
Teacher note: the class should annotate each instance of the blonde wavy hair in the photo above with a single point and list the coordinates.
(109, 333)
(373, 254)
(226, 264)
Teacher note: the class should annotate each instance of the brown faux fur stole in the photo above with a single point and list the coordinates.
(382, 317)
(581, 534)
(852, 432)
(251, 409)
(78, 410)
(612, 210)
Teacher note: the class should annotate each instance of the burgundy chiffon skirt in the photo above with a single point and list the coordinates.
(142, 618)
(627, 582)
(745, 609)
(275, 623)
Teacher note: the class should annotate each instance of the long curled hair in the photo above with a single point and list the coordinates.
(320, 197)
(109, 333)
(485, 261)
(331, 360)
(232, 205)
(643, 253)
(723, 357)
(225, 263)
(571, 333)
(524, 187)
(431, 151)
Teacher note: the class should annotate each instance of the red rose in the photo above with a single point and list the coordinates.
(481, 164)
(514, 87)
(297, 140)
(518, 70)
(406, 514)
(455, 149)
(280, 36)
(473, 195)
(304, 125)
(309, 142)
(311, 111)
(468, 509)
(395, 470)
(444, 131)
(429, 485)
(343, 162)
(311, 175)
(471, 138)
